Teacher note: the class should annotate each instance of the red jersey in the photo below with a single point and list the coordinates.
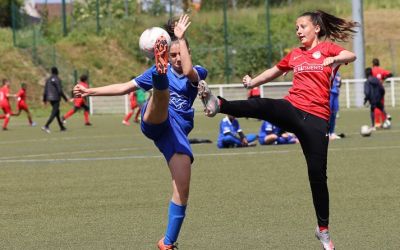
(4, 91)
(21, 95)
(133, 99)
(380, 73)
(311, 80)
(78, 101)
(254, 92)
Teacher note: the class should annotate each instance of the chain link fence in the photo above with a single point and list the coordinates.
(229, 49)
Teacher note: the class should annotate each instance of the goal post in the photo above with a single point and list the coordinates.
(109, 104)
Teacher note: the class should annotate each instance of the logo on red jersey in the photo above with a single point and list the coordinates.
(316, 54)
(305, 67)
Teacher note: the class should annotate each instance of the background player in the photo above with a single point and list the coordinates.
(79, 103)
(231, 135)
(272, 135)
(22, 105)
(334, 104)
(5, 102)
(381, 74)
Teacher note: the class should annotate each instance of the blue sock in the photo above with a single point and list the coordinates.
(160, 82)
(176, 215)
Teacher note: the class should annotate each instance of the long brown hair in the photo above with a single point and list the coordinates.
(332, 27)
(170, 26)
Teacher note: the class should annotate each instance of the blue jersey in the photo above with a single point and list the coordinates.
(336, 84)
(228, 127)
(268, 128)
(182, 91)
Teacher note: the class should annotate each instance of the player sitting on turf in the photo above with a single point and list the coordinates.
(272, 135)
(231, 135)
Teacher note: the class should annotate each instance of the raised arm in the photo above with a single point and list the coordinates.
(108, 90)
(267, 76)
(187, 65)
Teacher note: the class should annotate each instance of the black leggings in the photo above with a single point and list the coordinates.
(312, 132)
(55, 113)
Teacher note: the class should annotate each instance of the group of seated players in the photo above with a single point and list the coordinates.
(231, 135)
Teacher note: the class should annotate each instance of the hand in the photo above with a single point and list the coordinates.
(328, 61)
(247, 82)
(245, 143)
(181, 26)
(80, 91)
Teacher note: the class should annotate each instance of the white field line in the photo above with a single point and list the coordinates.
(196, 155)
(67, 138)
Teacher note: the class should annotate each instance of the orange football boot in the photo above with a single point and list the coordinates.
(162, 246)
(161, 54)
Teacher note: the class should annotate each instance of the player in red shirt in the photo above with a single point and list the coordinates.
(134, 105)
(79, 103)
(22, 105)
(305, 110)
(5, 103)
(381, 74)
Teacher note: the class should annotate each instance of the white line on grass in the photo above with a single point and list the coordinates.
(68, 138)
(196, 155)
(71, 153)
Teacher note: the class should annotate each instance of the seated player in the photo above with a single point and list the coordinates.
(231, 135)
(272, 135)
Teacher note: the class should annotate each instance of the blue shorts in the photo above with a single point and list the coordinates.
(168, 136)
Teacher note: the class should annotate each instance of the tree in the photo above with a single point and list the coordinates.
(5, 11)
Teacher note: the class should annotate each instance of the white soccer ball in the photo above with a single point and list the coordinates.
(365, 130)
(148, 39)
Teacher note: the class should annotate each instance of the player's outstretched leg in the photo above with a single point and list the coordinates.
(157, 107)
(324, 237)
(210, 101)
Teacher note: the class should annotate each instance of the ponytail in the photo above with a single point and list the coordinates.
(332, 27)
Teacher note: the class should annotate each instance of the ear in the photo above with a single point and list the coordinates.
(317, 29)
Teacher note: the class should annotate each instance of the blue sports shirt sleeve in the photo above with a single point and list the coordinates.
(145, 81)
(201, 71)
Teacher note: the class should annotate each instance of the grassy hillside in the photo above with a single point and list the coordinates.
(113, 56)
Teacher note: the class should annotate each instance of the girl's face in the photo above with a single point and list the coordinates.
(306, 31)
(175, 57)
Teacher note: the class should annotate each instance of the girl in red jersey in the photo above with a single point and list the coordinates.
(5, 103)
(134, 105)
(305, 110)
(381, 74)
(79, 103)
(21, 104)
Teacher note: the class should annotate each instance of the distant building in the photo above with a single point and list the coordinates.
(35, 9)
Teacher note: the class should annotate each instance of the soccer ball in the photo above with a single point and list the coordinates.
(148, 39)
(365, 130)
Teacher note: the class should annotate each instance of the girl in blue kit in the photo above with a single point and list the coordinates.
(231, 134)
(272, 135)
(167, 118)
